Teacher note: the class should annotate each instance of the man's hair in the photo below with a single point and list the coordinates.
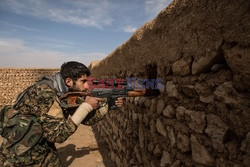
(73, 70)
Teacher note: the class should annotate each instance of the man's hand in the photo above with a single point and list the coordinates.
(119, 102)
(93, 101)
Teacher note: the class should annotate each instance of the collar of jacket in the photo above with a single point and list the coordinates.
(57, 83)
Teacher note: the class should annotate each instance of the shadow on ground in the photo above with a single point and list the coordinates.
(103, 148)
(70, 153)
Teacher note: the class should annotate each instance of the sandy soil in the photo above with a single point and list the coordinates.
(85, 148)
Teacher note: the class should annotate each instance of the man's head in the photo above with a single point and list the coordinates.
(75, 75)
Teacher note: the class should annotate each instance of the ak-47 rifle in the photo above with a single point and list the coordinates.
(74, 99)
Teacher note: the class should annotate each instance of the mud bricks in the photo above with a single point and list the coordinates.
(202, 118)
(14, 80)
(181, 128)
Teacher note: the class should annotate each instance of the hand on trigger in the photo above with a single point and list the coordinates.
(93, 101)
(119, 102)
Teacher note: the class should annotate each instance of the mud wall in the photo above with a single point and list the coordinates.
(201, 50)
(14, 80)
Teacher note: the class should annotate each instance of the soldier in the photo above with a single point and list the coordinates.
(36, 121)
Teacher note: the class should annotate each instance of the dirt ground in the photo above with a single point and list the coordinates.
(85, 148)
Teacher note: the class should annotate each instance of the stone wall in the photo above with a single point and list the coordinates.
(202, 117)
(14, 80)
(201, 49)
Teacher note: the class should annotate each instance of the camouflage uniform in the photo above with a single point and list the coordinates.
(41, 102)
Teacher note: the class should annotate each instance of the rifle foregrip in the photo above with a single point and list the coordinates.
(140, 92)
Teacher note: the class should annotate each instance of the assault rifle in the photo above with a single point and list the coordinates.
(74, 99)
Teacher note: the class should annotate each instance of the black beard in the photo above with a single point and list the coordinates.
(73, 88)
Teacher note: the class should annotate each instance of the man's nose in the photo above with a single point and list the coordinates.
(86, 85)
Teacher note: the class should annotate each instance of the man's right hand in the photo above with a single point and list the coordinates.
(93, 101)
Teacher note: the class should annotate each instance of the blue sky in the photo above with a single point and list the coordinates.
(46, 33)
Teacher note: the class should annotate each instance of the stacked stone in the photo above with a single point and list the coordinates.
(13, 81)
(202, 116)
(196, 121)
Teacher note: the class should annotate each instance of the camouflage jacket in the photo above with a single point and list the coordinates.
(41, 102)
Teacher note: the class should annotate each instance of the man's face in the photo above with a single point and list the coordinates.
(80, 85)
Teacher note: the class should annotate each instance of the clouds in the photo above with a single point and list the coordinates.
(19, 26)
(129, 29)
(153, 7)
(87, 13)
(46, 33)
(15, 53)
(82, 13)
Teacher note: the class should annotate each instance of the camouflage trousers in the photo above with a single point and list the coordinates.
(32, 159)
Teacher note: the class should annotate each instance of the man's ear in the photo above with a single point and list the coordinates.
(69, 82)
